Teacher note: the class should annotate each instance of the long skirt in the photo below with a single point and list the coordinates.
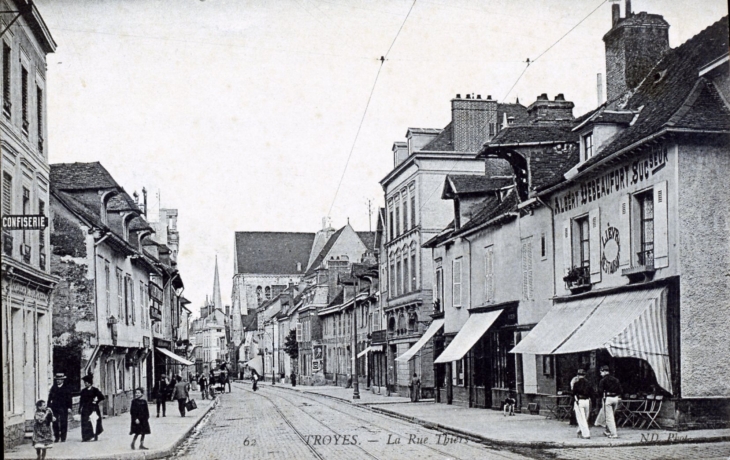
(88, 431)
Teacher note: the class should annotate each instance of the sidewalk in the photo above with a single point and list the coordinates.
(114, 443)
(492, 428)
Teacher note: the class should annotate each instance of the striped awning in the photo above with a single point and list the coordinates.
(432, 329)
(629, 325)
(177, 358)
(470, 333)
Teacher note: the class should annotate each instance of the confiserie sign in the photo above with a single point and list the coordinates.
(25, 222)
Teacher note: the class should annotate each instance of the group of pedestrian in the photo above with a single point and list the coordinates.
(609, 391)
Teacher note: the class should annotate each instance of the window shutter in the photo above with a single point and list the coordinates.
(299, 332)
(624, 230)
(661, 243)
(594, 225)
(567, 247)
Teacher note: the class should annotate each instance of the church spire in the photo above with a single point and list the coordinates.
(217, 302)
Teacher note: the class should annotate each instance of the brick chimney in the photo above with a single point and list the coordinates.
(471, 119)
(633, 46)
(545, 111)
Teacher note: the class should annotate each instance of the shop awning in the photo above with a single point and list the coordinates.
(470, 333)
(557, 325)
(432, 329)
(629, 325)
(177, 358)
(362, 353)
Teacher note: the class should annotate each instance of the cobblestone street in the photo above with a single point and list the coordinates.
(276, 423)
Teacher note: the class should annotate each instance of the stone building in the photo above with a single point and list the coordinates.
(102, 323)
(414, 214)
(26, 280)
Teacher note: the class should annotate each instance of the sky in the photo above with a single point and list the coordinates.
(248, 115)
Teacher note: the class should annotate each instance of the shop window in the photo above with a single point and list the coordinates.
(503, 363)
(457, 369)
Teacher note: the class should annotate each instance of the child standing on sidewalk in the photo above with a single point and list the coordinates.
(42, 432)
(140, 418)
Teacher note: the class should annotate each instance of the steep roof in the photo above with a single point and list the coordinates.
(273, 253)
(368, 239)
(673, 95)
(444, 142)
(325, 249)
(529, 133)
(81, 176)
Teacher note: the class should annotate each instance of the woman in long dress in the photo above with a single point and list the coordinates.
(42, 432)
(89, 400)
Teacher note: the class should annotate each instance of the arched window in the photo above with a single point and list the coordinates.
(268, 292)
(406, 271)
(398, 273)
(391, 324)
(259, 294)
(401, 323)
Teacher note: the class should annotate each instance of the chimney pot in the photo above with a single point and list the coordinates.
(615, 14)
(468, 96)
(489, 96)
(479, 96)
(542, 97)
(458, 96)
(627, 11)
(560, 97)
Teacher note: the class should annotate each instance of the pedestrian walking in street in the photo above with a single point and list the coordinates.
(89, 400)
(171, 388)
(42, 432)
(181, 393)
(415, 388)
(203, 382)
(159, 393)
(582, 403)
(61, 403)
(610, 389)
(255, 380)
(140, 413)
(293, 378)
(226, 381)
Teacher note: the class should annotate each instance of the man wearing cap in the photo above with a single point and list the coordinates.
(582, 403)
(60, 402)
(610, 389)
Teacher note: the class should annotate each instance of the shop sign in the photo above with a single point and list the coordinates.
(316, 365)
(25, 222)
(613, 181)
(25, 291)
(146, 342)
(317, 349)
(611, 244)
(155, 292)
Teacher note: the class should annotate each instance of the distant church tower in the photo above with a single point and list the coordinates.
(217, 302)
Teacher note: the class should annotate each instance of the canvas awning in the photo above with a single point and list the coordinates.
(257, 364)
(555, 327)
(432, 329)
(629, 325)
(172, 355)
(362, 353)
(470, 333)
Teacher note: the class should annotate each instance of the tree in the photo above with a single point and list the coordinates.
(291, 346)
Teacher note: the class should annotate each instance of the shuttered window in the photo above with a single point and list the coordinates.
(646, 226)
(7, 193)
(456, 277)
(6, 79)
(299, 332)
(489, 274)
(24, 98)
(527, 286)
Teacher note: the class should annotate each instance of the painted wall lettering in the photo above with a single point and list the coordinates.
(613, 181)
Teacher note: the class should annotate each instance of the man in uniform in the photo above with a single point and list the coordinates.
(610, 390)
(582, 403)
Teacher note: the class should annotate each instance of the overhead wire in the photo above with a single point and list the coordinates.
(383, 58)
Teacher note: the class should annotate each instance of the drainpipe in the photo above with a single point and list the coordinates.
(470, 359)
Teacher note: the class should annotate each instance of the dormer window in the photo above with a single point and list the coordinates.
(588, 146)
